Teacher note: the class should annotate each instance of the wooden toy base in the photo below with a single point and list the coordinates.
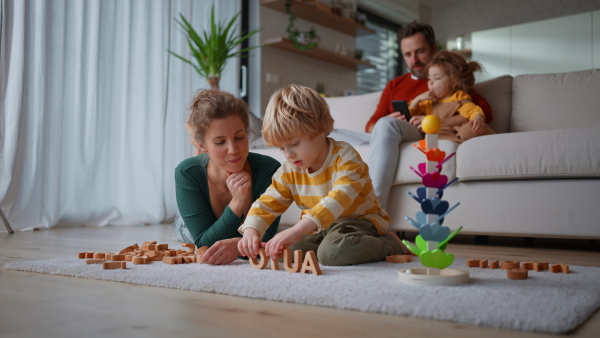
(435, 277)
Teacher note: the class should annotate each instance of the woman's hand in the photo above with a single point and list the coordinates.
(222, 252)
(240, 186)
(477, 124)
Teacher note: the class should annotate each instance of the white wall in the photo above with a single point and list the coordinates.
(548, 46)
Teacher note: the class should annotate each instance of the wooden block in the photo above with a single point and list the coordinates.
(152, 246)
(114, 265)
(116, 257)
(135, 246)
(191, 247)
(199, 259)
(155, 259)
(311, 264)
(516, 274)
(128, 257)
(95, 261)
(544, 266)
(99, 255)
(152, 253)
(564, 268)
(494, 264)
(398, 259)
(89, 255)
(264, 260)
(162, 247)
(287, 260)
(555, 268)
(509, 265)
(527, 266)
(166, 253)
(274, 264)
(82, 255)
(169, 260)
(127, 250)
(139, 260)
(146, 244)
(483, 263)
(201, 250)
(473, 263)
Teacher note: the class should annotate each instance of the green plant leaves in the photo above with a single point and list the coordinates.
(211, 49)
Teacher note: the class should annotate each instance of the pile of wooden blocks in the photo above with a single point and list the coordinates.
(148, 252)
(516, 270)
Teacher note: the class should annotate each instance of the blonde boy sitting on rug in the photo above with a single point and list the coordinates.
(341, 219)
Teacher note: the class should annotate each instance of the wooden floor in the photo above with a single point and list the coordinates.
(40, 305)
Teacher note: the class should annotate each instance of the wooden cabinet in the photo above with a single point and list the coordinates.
(321, 14)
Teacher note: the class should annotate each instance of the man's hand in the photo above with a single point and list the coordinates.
(397, 115)
(416, 120)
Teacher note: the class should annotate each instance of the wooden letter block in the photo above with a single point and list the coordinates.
(398, 259)
(287, 260)
(541, 266)
(188, 259)
(162, 247)
(483, 263)
(311, 264)
(114, 265)
(274, 264)
(555, 268)
(199, 259)
(191, 247)
(169, 260)
(264, 260)
(146, 244)
(494, 264)
(95, 261)
(509, 265)
(564, 268)
(127, 250)
(139, 260)
(201, 250)
(81, 255)
(516, 274)
(473, 263)
(89, 255)
(99, 255)
(117, 257)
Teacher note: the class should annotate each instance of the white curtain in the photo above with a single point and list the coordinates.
(92, 108)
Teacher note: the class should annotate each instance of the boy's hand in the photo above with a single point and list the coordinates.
(249, 244)
(284, 239)
(477, 124)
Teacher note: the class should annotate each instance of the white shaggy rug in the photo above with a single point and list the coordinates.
(545, 302)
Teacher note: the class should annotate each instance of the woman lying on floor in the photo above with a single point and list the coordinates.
(216, 188)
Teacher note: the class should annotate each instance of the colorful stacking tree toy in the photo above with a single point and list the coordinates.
(433, 236)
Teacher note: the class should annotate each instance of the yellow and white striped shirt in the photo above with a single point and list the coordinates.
(341, 190)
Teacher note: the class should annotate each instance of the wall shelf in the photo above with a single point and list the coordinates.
(320, 14)
(318, 53)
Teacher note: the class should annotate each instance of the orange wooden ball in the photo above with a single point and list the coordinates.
(431, 124)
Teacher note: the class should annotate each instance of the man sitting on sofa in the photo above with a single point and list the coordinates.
(389, 128)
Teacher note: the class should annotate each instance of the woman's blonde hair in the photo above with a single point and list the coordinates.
(457, 68)
(212, 104)
(295, 112)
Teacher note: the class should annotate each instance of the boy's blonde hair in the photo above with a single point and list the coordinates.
(295, 112)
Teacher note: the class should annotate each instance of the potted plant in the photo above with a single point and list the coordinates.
(211, 49)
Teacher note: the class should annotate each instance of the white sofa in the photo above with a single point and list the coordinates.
(539, 176)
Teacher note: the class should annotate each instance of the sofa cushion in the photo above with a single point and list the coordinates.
(353, 112)
(556, 101)
(498, 93)
(536, 154)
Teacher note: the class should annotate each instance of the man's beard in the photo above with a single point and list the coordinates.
(420, 74)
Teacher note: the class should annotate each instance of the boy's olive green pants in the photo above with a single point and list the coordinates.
(349, 243)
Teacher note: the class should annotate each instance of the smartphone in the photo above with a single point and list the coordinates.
(402, 107)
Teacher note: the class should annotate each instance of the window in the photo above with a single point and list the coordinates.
(380, 49)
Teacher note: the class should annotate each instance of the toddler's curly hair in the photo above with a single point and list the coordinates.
(457, 68)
